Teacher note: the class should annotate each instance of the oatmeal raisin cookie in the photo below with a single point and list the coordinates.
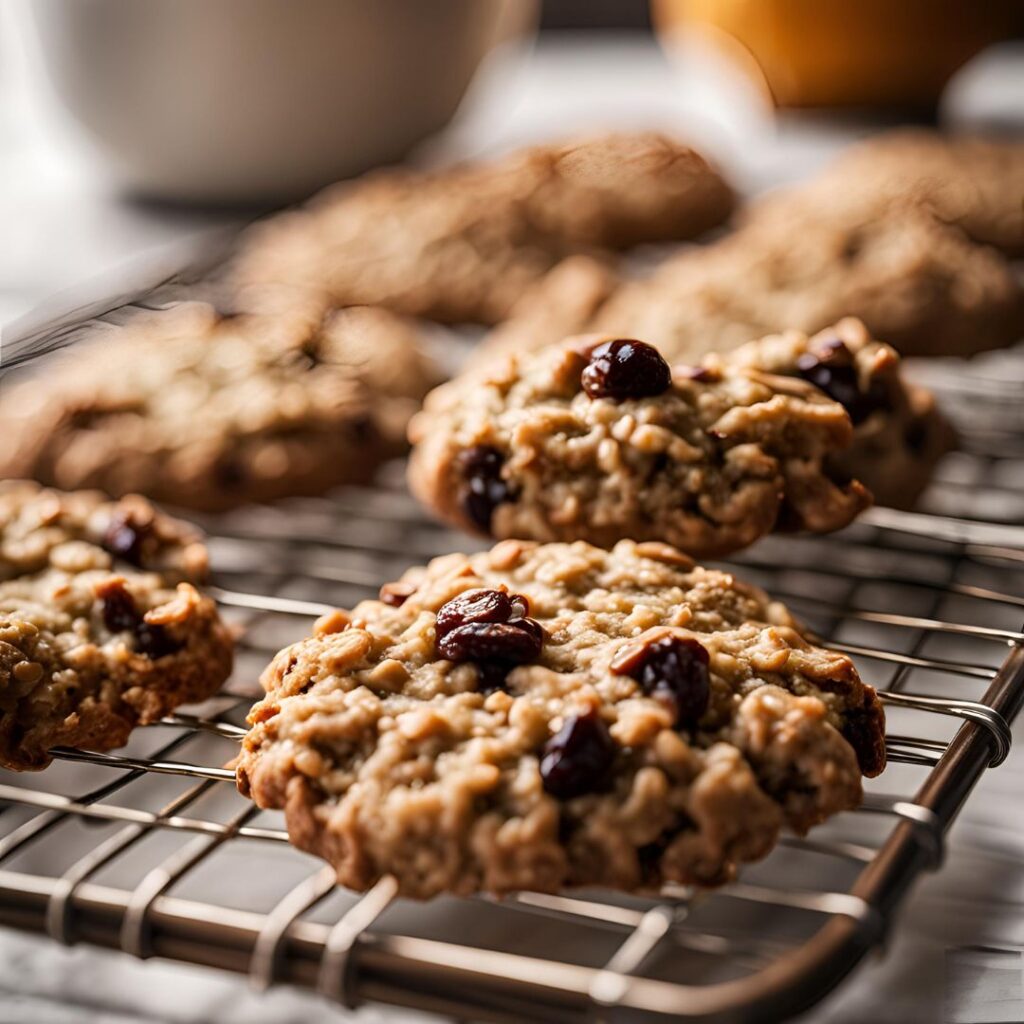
(102, 626)
(205, 410)
(463, 244)
(599, 439)
(544, 716)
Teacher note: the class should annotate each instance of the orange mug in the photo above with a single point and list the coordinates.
(838, 53)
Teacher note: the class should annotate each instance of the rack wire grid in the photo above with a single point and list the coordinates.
(152, 851)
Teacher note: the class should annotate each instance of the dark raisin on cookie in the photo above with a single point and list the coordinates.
(915, 436)
(578, 758)
(154, 641)
(485, 489)
(229, 472)
(674, 671)
(119, 611)
(834, 371)
(487, 641)
(863, 727)
(479, 605)
(625, 369)
(126, 538)
(491, 628)
(649, 856)
(120, 615)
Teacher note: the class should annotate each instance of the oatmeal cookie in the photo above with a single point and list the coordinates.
(210, 411)
(544, 716)
(918, 283)
(899, 434)
(896, 257)
(975, 183)
(101, 625)
(598, 439)
(461, 245)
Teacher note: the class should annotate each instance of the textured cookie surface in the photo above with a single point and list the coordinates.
(898, 232)
(101, 625)
(974, 183)
(208, 411)
(543, 716)
(918, 283)
(463, 244)
(899, 434)
(600, 440)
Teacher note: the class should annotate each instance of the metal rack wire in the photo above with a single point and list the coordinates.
(153, 852)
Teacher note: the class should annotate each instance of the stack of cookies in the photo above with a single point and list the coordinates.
(583, 704)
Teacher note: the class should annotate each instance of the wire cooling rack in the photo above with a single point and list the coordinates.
(153, 852)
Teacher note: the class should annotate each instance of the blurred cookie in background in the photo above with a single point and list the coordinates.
(209, 410)
(919, 283)
(103, 623)
(463, 244)
(910, 232)
(974, 183)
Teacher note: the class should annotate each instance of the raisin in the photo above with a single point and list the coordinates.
(835, 373)
(492, 675)
(649, 856)
(579, 757)
(491, 628)
(120, 615)
(862, 729)
(154, 641)
(915, 436)
(488, 641)
(126, 538)
(625, 369)
(119, 611)
(229, 472)
(480, 605)
(674, 671)
(485, 489)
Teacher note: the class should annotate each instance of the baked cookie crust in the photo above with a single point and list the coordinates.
(974, 183)
(544, 716)
(915, 281)
(706, 459)
(102, 627)
(462, 245)
(908, 232)
(899, 433)
(209, 411)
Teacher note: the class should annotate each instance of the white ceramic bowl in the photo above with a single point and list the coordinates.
(262, 100)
